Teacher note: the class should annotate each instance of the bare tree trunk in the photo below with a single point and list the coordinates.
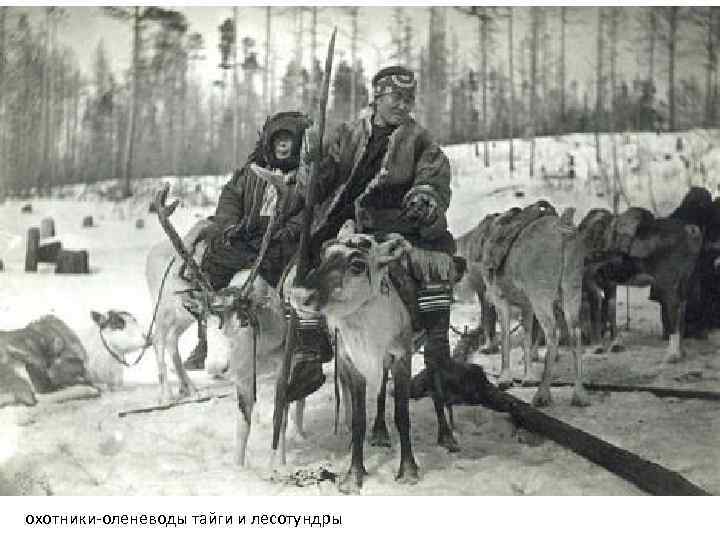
(183, 116)
(75, 123)
(599, 84)
(52, 154)
(407, 42)
(653, 34)
(710, 68)
(483, 19)
(235, 119)
(353, 62)
(267, 101)
(563, 24)
(45, 113)
(132, 106)
(511, 76)
(613, 61)
(211, 134)
(672, 23)
(533, 84)
(313, 60)
(4, 116)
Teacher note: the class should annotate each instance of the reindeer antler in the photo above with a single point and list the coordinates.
(164, 211)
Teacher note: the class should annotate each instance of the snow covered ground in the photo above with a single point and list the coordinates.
(84, 448)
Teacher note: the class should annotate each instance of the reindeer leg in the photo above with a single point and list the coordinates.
(488, 319)
(379, 435)
(347, 403)
(675, 313)
(408, 472)
(187, 388)
(352, 482)
(616, 345)
(505, 379)
(299, 415)
(528, 322)
(159, 342)
(278, 457)
(243, 421)
(542, 397)
(572, 300)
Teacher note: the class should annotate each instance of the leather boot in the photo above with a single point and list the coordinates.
(460, 382)
(312, 349)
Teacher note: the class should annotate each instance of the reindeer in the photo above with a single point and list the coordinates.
(470, 246)
(246, 319)
(352, 288)
(542, 269)
(637, 249)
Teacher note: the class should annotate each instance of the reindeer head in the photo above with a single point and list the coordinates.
(352, 271)
(232, 305)
(120, 330)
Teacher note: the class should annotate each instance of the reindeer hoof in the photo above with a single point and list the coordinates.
(352, 482)
(447, 441)
(542, 399)
(617, 348)
(380, 437)
(408, 474)
(674, 358)
(580, 399)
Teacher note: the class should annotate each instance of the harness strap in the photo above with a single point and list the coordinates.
(148, 343)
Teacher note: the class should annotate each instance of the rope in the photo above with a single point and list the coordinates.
(464, 333)
(147, 345)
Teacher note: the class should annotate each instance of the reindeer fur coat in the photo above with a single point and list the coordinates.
(244, 200)
(412, 162)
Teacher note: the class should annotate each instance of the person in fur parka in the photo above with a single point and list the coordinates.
(385, 172)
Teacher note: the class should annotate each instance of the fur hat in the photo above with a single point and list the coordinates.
(394, 79)
(292, 122)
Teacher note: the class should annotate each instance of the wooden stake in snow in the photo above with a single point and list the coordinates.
(47, 227)
(72, 262)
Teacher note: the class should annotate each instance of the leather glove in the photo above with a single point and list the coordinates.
(420, 207)
(208, 233)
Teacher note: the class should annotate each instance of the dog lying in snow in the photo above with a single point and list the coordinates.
(43, 357)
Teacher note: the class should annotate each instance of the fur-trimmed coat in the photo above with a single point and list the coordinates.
(242, 201)
(414, 162)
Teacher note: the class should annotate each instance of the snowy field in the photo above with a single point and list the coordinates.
(84, 448)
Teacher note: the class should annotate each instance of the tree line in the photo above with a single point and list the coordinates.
(59, 124)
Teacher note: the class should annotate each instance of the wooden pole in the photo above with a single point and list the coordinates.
(303, 265)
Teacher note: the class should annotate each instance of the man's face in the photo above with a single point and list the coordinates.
(393, 109)
(283, 146)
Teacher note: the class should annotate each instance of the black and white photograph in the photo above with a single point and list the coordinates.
(359, 250)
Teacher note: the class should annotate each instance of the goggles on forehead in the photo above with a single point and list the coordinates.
(402, 84)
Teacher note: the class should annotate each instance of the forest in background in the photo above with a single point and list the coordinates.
(61, 124)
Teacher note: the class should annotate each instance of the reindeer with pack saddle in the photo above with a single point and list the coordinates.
(532, 259)
(637, 249)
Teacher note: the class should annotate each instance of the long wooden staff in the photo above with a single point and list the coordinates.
(303, 251)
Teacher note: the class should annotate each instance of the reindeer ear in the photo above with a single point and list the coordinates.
(394, 247)
(99, 318)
